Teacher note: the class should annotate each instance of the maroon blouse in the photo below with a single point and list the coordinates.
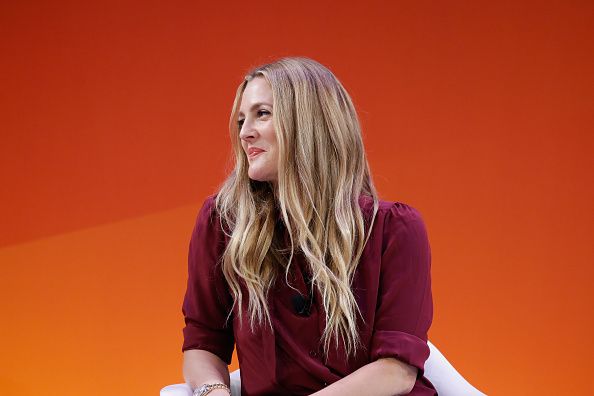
(392, 286)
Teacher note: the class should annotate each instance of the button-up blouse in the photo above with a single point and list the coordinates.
(392, 287)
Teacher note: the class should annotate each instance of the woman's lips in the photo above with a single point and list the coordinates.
(255, 153)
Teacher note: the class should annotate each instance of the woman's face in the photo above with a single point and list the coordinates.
(256, 131)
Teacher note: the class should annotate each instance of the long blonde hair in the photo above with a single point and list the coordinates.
(322, 172)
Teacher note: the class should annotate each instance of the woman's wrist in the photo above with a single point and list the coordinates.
(212, 389)
(219, 392)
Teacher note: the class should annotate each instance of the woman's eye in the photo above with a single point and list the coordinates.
(239, 123)
(263, 112)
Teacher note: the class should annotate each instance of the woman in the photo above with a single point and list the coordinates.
(323, 288)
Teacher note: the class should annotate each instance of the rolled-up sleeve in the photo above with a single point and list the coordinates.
(207, 301)
(405, 308)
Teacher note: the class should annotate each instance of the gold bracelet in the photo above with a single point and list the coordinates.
(207, 388)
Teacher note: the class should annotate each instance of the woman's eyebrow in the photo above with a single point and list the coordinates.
(258, 104)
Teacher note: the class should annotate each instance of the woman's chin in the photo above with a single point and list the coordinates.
(263, 179)
(257, 177)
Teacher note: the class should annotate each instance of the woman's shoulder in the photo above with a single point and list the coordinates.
(208, 216)
(208, 235)
(208, 208)
(404, 226)
(210, 200)
(388, 209)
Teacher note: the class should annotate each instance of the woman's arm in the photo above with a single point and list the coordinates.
(203, 367)
(208, 334)
(386, 376)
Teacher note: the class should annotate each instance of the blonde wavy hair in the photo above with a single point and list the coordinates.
(322, 172)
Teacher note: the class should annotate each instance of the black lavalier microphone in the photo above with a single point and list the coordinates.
(302, 304)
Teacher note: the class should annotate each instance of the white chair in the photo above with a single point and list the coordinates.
(445, 378)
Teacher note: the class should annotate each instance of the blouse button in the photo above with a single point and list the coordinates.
(313, 354)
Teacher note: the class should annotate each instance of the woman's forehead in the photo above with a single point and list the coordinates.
(257, 92)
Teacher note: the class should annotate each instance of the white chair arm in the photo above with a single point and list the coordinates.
(185, 390)
(444, 376)
(176, 390)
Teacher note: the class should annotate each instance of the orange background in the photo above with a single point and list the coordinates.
(113, 125)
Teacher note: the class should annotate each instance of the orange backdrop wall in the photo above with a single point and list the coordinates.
(113, 120)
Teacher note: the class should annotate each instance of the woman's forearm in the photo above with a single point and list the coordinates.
(382, 377)
(203, 367)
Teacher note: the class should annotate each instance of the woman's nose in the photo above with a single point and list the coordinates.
(247, 130)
